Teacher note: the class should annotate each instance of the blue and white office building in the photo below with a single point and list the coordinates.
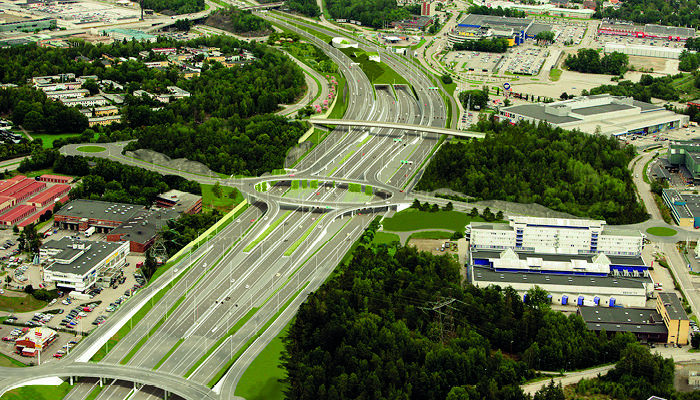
(570, 258)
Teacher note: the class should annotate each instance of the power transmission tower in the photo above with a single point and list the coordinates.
(160, 252)
(444, 320)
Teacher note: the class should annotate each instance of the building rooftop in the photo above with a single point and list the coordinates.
(143, 225)
(180, 201)
(99, 210)
(673, 306)
(602, 109)
(537, 111)
(77, 256)
(614, 260)
(486, 274)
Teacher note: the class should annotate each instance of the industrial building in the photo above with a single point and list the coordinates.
(28, 25)
(684, 155)
(684, 206)
(576, 261)
(135, 224)
(182, 202)
(39, 198)
(77, 264)
(598, 114)
(626, 28)
(667, 323)
(644, 51)
(516, 30)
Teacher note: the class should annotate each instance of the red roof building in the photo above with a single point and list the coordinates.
(55, 178)
(49, 195)
(17, 214)
(34, 340)
(11, 190)
(29, 190)
(6, 203)
(10, 182)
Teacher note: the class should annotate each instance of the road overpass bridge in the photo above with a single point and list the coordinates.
(397, 125)
(184, 388)
(265, 6)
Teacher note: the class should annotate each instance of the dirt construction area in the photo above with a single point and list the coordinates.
(434, 246)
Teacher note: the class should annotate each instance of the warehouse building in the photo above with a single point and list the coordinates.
(644, 51)
(675, 318)
(141, 229)
(667, 323)
(576, 261)
(684, 206)
(684, 156)
(516, 30)
(50, 195)
(28, 25)
(601, 291)
(182, 202)
(626, 28)
(55, 178)
(78, 215)
(598, 114)
(78, 264)
(17, 214)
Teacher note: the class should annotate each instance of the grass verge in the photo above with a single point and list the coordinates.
(430, 235)
(303, 237)
(267, 232)
(38, 392)
(7, 361)
(412, 219)
(168, 354)
(261, 380)
(48, 139)
(230, 197)
(385, 238)
(20, 304)
(555, 74)
(95, 392)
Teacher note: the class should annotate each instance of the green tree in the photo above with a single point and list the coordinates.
(150, 265)
(448, 206)
(475, 99)
(537, 298)
(551, 391)
(217, 190)
(474, 212)
(547, 36)
(446, 79)
(695, 340)
(92, 86)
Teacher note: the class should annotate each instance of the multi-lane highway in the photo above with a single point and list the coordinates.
(250, 278)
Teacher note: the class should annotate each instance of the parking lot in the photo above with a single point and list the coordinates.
(569, 33)
(472, 61)
(79, 14)
(524, 60)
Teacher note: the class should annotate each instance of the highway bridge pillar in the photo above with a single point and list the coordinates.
(101, 383)
(70, 380)
(166, 396)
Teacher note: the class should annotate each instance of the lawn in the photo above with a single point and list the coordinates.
(430, 235)
(385, 238)
(48, 139)
(91, 149)
(686, 85)
(7, 361)
(661, 231)
(20, 304)
(412, 219)
(340, 105)
(223, 203)
(40, 172)
(38, 392)
(554, 74)
(261, 380)
(377, 72)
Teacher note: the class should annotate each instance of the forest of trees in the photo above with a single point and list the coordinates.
(674, 13)
(226, 118)
(174, 6)
(495, 45)
(371, 332)
(574, 172)
(589, 61)
(34, 111)
(499, 11)
(644, 90)
(234, 146)
(238, 21)
(306, 7)
(688, 61)
(373, 13)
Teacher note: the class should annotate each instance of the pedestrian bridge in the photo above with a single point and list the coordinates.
(396, 125)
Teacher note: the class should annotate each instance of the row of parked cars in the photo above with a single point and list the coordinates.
(15, 334)
(72, 319)
(65, 348)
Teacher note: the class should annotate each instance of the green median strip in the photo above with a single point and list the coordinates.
(168, 354)
(267, 232)
(442, 139)
(341, 162)
(228, 365)
(95, 392)
(216, 345)
(303, 237)
(399, 167)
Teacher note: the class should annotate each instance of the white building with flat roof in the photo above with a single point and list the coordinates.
(555, 236)
(77, 264)
(602, 114)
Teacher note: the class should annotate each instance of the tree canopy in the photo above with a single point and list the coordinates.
(582, 174)
(675, 13)
(589, 61)
(373, 331)
(238, 21)
(648, 87)
(494, 45)
(175, 6)
(374, 13)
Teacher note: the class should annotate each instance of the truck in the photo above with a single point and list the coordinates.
(79, 296)
(89, 231)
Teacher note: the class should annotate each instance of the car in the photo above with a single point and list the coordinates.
(58, 355)
(8, 339)
(73, 342)
(65, 302)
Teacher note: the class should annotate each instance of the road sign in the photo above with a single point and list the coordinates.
(506, 86)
